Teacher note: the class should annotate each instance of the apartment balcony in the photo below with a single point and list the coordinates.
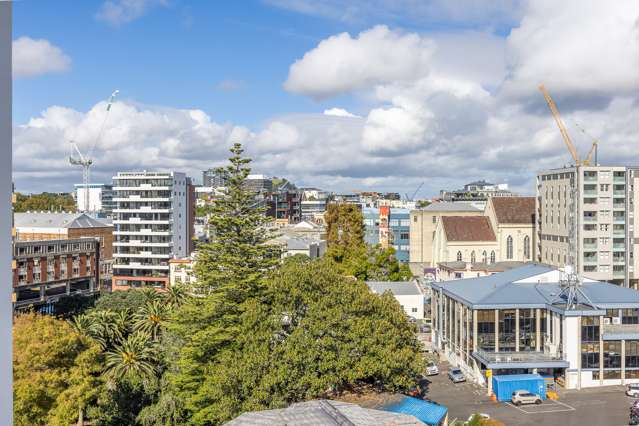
(619, 219)
(590, 219)
(143, 232)
(619, 192)
(619, 247)
(592, 192)
(590, 246)
(590, 260)
(532, 359)
(619, 206)
(138, 243)
(619, 232)
(617, 259)
(142, 188)
(137, 220)
(619, 179)
(142, 209)
(590, 178)
(142, 255)
(618, 274)
(135, 265)
(137, 199)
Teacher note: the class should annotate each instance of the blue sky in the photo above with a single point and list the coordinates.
(359, 94)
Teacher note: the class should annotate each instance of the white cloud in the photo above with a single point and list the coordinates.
(340, 112)
(36, 57)
(343, 64)
(578, 47)
(119, 12)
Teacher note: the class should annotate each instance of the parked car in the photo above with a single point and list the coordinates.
(633, 390)
(456, 375)
(525, 397)
(432, 369)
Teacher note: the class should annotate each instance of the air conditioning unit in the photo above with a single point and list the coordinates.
(616, 321)
(606, 321)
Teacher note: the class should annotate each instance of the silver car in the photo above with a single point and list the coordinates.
(456, 375)
(525, 397)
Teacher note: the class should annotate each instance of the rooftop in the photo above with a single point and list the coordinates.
(514, 210)
(468, 228)
(481, 266)
(448, 206)
(323, 412)
(398, 288)
(535, 286)
(57, 220)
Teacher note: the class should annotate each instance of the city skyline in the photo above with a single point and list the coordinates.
(455, 89)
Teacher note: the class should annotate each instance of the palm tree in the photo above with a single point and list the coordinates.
(132, 358)
(150, 318)
(175, 296)
(150, 295)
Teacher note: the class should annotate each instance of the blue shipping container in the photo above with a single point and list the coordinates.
(504, 386)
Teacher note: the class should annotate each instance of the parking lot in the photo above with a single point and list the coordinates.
(595, 406)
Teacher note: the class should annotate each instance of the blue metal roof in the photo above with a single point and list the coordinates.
(503, 290)
(428, 412)
(516, 377)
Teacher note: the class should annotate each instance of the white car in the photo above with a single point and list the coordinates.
(633, 390)
(525, 397)
(432, 370)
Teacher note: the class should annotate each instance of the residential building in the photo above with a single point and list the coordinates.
(593, 207)
(153, 223)
(284, 206)
(212, 178)
(259, 184)
(38, 226)
(313, 203)
(476, 191)
(181, 271)
(100, 199)
(521, 321)
(388, 227)
(46, 270)
(291, 246)
(407, 293)
(423, 224)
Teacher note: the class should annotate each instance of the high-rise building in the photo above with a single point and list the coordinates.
(587, 213)
(213, 178)
(259, 183)
(100, 198)
(153, 223)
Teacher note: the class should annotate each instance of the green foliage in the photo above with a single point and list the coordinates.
(44, 202)
(130, 300)
(384, 266)
(55, 371)
(313, 333)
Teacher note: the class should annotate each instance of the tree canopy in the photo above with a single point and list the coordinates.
(45, 201)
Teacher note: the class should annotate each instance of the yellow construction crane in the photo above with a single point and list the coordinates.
(560, 124)
(593, 148)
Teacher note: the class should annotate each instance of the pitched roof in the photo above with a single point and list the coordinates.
(448, 206)
(514, 209)
(323, 412)
(398, 288)
(468, 228)
(56, 220)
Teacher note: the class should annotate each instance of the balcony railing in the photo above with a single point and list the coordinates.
(522, 356)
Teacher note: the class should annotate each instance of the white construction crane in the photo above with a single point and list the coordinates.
(85, 160)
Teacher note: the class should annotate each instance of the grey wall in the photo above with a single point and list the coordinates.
(6, 392)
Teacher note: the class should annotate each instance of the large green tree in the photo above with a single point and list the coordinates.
(313, 334)
(44, 202)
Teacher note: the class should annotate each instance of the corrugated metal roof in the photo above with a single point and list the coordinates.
(427, 412)
(324, 412)
(398, 288)
(56, 220)
(448, 206)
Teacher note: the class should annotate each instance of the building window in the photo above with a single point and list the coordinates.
(630, 316)
(486, 330)
(472, 256)
(415, 218)
(527, 330)
(507, 321)
(434, 219)
(492, 256)
(413, 310)
(632, 354)
(526, 247)
(509, 247)
(612, 353)
(589, 342)
(484, 257)
(459, 256)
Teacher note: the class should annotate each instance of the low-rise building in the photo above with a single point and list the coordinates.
(447, 271)
(523, 321)
(476, 191)
(181, 271)
(46, 270)
(407, 293)
(388, 227)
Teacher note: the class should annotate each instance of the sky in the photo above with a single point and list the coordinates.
(342, 95)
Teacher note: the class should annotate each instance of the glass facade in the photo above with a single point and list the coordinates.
(486, 330)
(527, 329)
(632, 354)
(589, 342)
(612, 353)
(630, 316)
(507, 319)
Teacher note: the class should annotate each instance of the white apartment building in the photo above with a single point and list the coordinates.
(407, 293)
(313, 203)
(604, 213)
(153, 223)
(100, 198)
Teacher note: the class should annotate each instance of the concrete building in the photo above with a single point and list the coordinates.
(100, 199)
(47, 270)
(476, 191)
(181, 271)
(423, 224)
(292, 245)
(603, 210)
(388, 227)
(407, 293)
(213, 179)
(38, 226)
(284, 206)
(259, 183)
(313, 203)
(153, 223)
(518, 321)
